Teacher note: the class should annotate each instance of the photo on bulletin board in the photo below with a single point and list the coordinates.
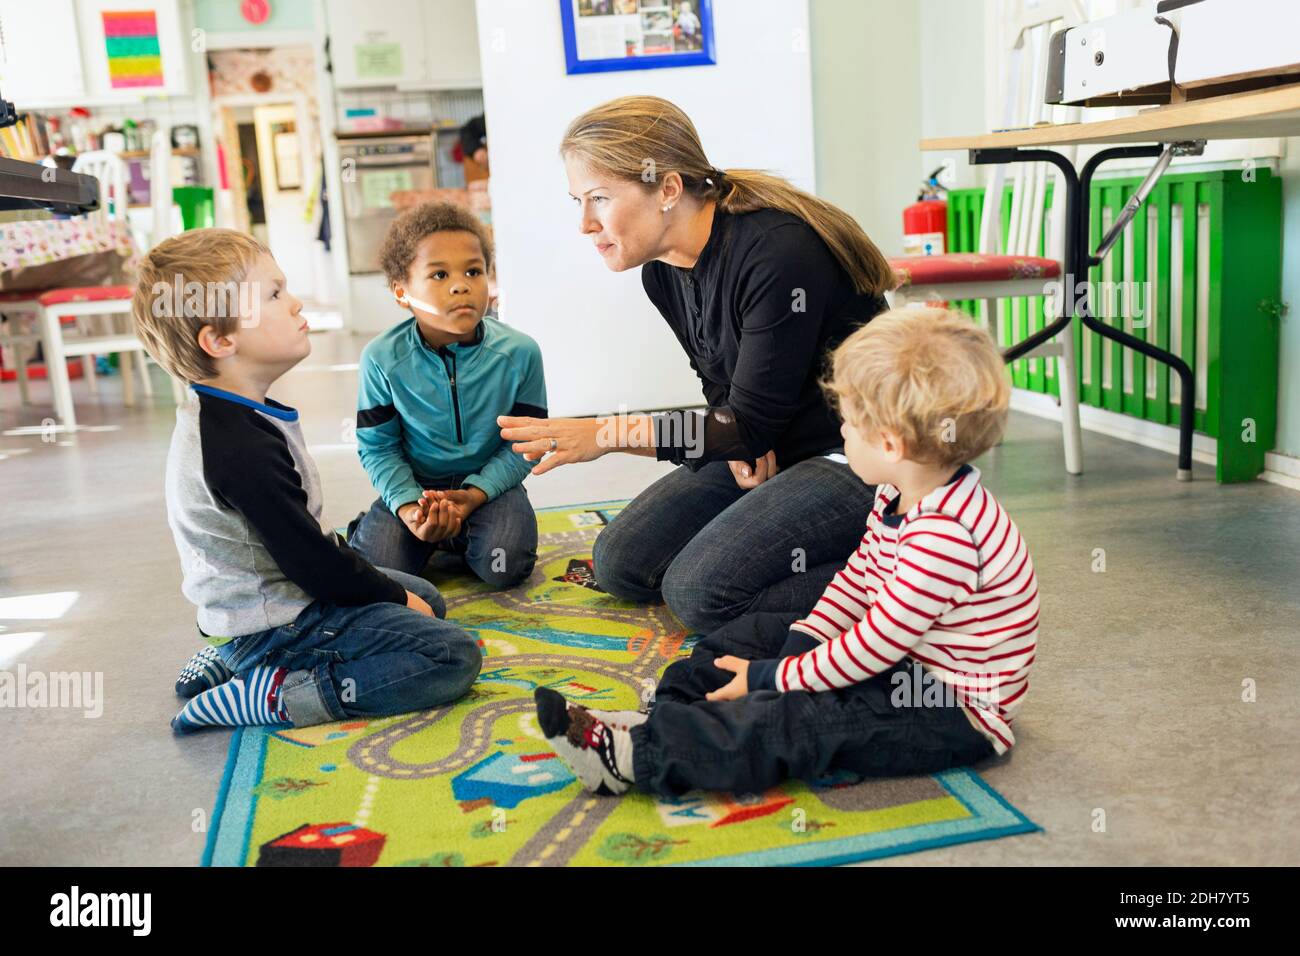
(605, 35)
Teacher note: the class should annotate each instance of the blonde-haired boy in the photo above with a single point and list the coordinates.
(310, 631)
(917, 656)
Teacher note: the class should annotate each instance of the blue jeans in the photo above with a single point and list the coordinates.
(372, 660)
(752, 743)
(714, 551)
(498, 542)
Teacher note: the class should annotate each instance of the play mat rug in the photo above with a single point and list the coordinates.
(475, 784)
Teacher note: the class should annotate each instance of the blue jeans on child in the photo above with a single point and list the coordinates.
(714, 551)
(372, 660)
(498, 542)
(752, 743)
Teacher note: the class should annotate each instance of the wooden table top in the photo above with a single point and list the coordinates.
(1261, 113)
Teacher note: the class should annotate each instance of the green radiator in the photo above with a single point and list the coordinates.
(1201, 266)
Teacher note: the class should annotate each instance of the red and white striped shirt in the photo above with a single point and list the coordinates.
(952, 586)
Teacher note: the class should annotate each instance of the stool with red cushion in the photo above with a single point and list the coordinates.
(59, 305)
(970, 275)
(13, 304)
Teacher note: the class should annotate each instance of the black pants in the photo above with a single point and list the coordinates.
(753, 743)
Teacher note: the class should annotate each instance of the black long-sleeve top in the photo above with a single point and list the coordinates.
(757, 314)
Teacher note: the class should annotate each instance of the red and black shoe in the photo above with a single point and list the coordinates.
(589, 746)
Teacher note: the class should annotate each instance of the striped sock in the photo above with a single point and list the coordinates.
(249, 698)
(204, 670)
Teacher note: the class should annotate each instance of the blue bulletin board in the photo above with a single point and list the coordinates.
(605, 35)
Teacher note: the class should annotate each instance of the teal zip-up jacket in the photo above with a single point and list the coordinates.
(424, 414)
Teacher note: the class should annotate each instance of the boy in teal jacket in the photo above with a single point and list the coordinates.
(431, 390)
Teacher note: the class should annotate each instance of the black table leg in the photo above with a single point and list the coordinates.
(1187, 400)
(1076, 262)
(1074, 199)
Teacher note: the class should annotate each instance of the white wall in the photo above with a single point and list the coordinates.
(604, 343)
(867, 106)
(885, 75)
(954, 81)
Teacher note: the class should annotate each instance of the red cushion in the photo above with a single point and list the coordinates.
(970, 267)
(92, 293)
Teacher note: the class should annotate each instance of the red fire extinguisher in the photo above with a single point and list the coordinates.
(925, 222)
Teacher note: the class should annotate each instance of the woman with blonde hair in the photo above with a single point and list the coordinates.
(758, 280)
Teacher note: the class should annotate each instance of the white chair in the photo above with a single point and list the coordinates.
(114, 200)
(14, 339)
(160, 187)
(1013, 269)
(103, 313)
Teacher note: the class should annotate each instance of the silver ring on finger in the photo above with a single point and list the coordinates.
(554, 444)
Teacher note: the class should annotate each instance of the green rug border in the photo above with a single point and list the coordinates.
(967, 786)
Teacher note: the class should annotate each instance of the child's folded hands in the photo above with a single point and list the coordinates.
(464, 500)
(431, 519)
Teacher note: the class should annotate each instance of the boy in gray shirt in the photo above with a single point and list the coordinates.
(304, 628)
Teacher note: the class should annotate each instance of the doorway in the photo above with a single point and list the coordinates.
(272, 150)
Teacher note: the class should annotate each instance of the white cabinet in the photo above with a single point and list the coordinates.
(376, 42)
(451, 45)
(409, 44)
(29, 76)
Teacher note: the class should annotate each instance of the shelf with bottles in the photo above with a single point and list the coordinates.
(67, 133)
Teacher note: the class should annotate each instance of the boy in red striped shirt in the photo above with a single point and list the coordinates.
(915, 659)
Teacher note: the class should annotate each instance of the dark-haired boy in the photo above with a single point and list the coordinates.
(431, 390)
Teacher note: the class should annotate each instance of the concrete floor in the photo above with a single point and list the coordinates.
(1135, 710)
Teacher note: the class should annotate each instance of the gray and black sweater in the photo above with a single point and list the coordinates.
(244, 505)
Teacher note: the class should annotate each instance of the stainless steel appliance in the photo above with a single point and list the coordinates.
(375, 165)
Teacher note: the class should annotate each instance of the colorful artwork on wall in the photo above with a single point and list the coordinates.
(131, 42)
